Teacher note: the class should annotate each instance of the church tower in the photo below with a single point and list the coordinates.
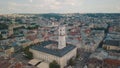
(61, 39)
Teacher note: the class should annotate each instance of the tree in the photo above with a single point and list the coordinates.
(71, 62)
(1, 37)
(104, 47)
(77, 56)
(54, 64)
(28, 54)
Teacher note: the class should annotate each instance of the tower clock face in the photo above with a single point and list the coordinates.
(61, 31)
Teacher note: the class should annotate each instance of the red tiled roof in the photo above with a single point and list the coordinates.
(33, 37)
(5, 63)
(112, 62)
(18, 65)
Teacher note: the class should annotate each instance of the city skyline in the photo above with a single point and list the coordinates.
(59, 6)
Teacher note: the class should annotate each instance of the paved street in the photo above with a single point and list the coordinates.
(81, 61)
(19, 56)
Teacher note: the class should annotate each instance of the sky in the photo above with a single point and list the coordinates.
(59, 6)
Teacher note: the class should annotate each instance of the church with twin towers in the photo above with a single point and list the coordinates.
(59, 51)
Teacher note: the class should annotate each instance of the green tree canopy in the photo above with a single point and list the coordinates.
(28, 54)
(1, 37)
(54, 64)
(71, 62)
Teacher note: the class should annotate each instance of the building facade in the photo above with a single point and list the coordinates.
(50, 51)
(46, 57)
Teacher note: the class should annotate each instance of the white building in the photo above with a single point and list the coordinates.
(48, 51)
(62, 40)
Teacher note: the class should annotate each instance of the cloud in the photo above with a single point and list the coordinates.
(59, 6)
(44, 5)
(31, 1)
(118, 8)
(18, 4)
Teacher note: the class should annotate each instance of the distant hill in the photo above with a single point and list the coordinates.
(51, 15)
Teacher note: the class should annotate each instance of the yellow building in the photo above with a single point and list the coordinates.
(25, 43)
(111, 45)
(8, 50)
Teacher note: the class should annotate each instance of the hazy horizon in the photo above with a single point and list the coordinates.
(59, 6)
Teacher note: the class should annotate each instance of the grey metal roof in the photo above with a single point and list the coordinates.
(112, 42)
(57, 52)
